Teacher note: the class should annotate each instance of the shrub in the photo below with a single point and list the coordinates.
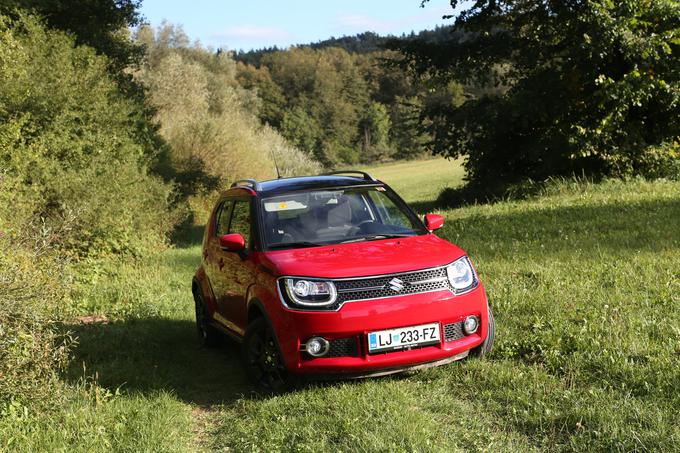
(655, 162)
(69, 140)
(73, 183)
(32, 347)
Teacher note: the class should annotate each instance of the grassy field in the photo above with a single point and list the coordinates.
(420, 180)
(585, 286)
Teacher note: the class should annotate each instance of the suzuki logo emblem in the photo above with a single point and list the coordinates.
(396, 285)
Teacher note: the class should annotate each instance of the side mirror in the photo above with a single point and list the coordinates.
(434, 221)
(233, 242)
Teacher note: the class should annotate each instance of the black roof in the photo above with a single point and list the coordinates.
(285, 185)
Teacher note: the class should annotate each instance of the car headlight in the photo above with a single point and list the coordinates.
(310, 293)
(461, 276)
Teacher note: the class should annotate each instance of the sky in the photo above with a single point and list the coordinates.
(252, 24)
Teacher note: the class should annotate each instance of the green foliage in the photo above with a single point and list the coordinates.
(32, 348)
(69, 145)
(340, 107)
(99, 24)
(375, 125)
(207, 118)
(588, 86)
(73, 183)
(300, 129)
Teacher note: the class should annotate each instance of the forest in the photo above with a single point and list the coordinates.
(115, 137)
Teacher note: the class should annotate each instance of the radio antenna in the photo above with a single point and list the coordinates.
(278, 173)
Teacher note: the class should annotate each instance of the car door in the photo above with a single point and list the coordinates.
(237, 269)
(214, 261)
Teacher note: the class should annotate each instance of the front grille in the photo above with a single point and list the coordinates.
(343, 347)
(453, 331)
(392, 285)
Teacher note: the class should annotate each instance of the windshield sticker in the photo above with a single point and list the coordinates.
(277, 206)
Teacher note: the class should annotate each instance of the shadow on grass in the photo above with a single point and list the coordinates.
(163, 355)
(159, 355)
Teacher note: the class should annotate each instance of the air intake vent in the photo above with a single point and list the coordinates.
(453, 331)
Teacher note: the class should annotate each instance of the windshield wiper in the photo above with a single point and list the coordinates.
(282, 245)
(378, 236)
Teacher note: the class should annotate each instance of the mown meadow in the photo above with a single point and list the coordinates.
(584, 281)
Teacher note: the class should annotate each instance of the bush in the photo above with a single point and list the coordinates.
(69, 141)
(73, 183)
(655, 162)
(32, 349)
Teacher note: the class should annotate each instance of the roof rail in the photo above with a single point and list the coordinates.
(251, 183)
(365, 175)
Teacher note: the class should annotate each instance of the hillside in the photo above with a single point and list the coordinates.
(360, 43)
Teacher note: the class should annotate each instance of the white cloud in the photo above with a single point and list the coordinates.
(358, 21)
(350, 23)
(253, 33)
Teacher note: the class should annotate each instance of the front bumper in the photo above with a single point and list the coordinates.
(356, 319)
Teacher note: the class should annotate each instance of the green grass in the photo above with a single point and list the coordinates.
(585, 286)
(420, 180)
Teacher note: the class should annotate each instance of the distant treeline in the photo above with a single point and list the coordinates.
(345, 100)
(360, 43)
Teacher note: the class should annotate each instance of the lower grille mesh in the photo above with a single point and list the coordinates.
(343, 347)
(453, 331)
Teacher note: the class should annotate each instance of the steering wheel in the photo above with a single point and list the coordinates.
(359, 227)
(283, 238)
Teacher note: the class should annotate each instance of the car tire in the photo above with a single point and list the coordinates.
(208, 336)
(262, 357)
(487, 345)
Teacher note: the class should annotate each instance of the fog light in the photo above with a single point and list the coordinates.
(470, 325)
(317, 346)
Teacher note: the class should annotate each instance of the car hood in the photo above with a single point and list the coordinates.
(359, 259)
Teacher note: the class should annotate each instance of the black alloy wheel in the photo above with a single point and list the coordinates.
(263, 359)
(208, 336)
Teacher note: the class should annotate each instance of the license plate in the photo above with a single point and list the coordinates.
(392, 339)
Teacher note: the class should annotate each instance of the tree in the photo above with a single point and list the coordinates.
(375, 128)
(591, 86)
(207, 118)
(100, 24)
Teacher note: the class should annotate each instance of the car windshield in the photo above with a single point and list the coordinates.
(307, 219)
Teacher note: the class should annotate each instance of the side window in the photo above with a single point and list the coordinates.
(222, 218)
(240, 220)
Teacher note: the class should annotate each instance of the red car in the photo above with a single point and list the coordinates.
(335, 275)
